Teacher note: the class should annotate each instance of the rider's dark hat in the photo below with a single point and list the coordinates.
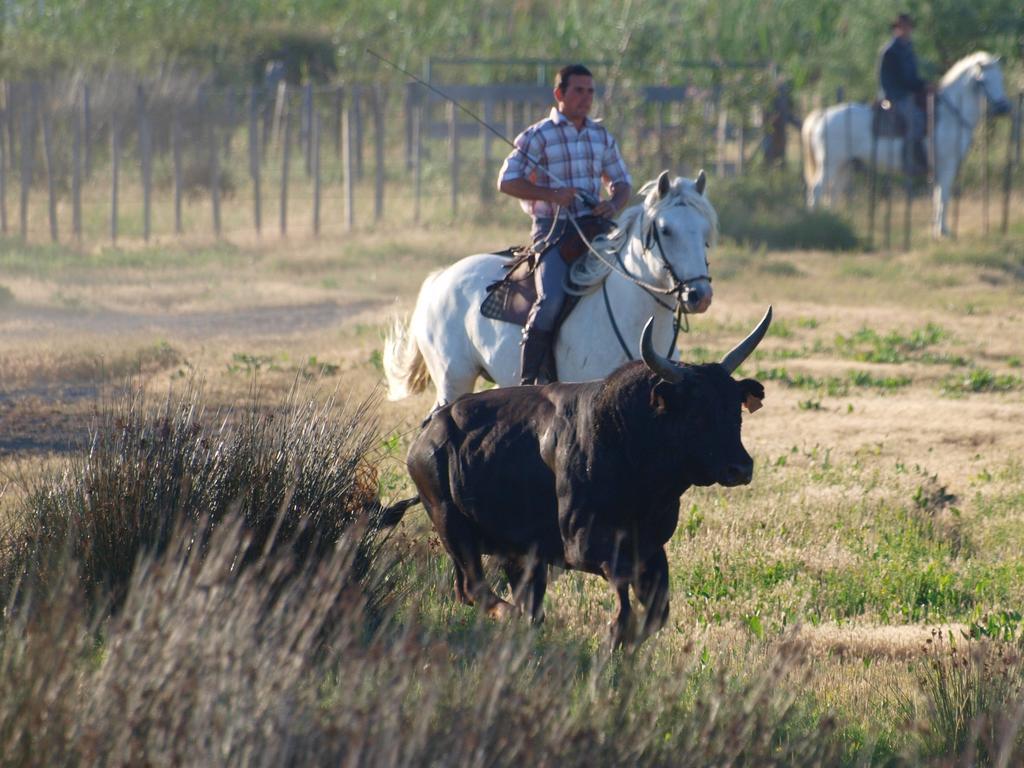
(903, 20)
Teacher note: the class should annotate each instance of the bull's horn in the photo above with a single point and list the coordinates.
(662, 366)
(735, 357)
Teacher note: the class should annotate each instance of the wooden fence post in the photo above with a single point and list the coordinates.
(417, 160)
(1008, 170)
(87, 129)
(214, 172)
(76, 177)
(286, 152)
(893, 160)
(453, 156)
(9, 129)
(347, 163)
(176, 160)
(25, 145)
(306, 128)
(339, 97)
(146, 158)
(314, 141)
(956, 179)
(986, 142)
(115, 151)
(379, 141)
(51, 188)
(3, 181)
(356, 119)
(486, 180)
(254, 158)
(229, 121)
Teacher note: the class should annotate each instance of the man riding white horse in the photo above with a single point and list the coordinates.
(579, 153)
(901, 85)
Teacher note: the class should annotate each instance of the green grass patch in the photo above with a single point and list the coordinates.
(833, 385)
(980, 380)
(870, 346)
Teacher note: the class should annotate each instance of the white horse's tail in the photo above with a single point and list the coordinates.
(404, 366)
(807, 143)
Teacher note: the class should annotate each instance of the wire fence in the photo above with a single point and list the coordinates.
(115, 159)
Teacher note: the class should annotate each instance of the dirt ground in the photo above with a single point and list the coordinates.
(316, 311)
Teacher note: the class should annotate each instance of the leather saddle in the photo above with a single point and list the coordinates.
(511, 298)
(887, 123)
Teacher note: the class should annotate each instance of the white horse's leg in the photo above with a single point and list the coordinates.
(944, 176)
(453, 368)
(814, 191)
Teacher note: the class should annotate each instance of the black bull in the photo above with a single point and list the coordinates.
(583, 476)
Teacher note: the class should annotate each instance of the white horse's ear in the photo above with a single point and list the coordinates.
(701, 182)
(664, 184)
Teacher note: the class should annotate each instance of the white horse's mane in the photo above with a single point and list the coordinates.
(591, 271)
(978, 58)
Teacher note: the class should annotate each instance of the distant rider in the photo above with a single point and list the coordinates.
(901, 84)
(581, 153)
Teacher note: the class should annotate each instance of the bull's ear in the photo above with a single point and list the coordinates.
(660, 395)
(752, 393)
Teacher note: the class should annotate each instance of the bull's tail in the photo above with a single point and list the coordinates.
(391, 515)
(807, 144)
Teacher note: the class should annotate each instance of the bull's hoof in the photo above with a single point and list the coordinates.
(501, 611)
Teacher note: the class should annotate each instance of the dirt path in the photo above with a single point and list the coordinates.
(53, 416)
(31, 323)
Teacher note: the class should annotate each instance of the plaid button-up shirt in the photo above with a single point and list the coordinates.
(580, 159)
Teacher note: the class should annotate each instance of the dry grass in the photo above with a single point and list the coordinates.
(847, 486)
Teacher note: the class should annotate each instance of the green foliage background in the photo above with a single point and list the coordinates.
(828, 42)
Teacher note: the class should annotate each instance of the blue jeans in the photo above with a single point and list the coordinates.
(548, 278)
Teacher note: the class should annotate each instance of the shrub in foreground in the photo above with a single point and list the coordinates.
(202, 667)
(297, 475)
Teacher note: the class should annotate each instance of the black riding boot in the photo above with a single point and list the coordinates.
(536, 347)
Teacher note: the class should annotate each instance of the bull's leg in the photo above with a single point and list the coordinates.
(651, 586)
(528, 580)
(622, 628)
(460, 540)
(462, 591)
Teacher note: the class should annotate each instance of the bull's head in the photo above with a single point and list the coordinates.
(722, 458)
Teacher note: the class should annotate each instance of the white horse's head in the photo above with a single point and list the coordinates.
(678, 226)
(980, 70)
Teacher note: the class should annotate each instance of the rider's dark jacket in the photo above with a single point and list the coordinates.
(897, 70)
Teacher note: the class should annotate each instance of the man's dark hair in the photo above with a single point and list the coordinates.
(562, 79)
(902, 20)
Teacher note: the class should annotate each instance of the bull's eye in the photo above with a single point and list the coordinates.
(666, 231)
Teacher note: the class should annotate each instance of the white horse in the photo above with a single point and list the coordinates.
(835, 137)
(658, 249)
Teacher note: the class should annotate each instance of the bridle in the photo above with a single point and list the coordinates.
(651, 238)
(978, 82)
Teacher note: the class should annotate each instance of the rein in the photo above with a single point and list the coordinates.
(680, 321)
(652, 236)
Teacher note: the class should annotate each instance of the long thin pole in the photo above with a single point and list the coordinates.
(586, 198)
